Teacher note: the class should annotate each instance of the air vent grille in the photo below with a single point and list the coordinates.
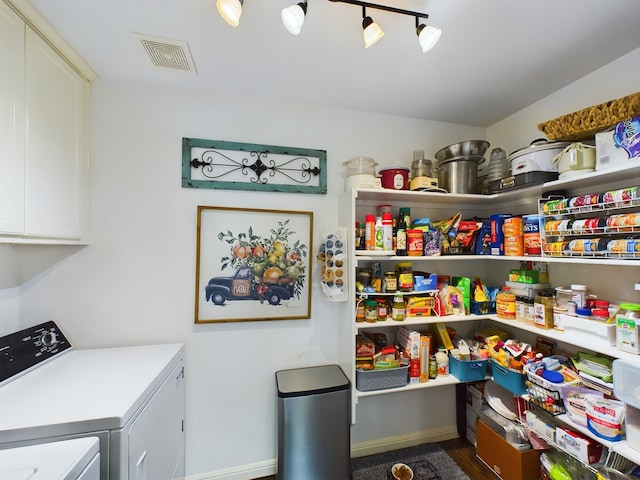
(167, 53)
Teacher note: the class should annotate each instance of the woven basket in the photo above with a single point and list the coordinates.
(585, 123)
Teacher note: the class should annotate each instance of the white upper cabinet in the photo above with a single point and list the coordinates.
(43, 126)
(12, 121)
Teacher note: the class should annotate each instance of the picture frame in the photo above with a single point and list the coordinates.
(252, 264)
(251, 166)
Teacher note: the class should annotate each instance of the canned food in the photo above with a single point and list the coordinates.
(627, 246)
(623, 222)
(587, 245)
(555, 248)
(589, 225)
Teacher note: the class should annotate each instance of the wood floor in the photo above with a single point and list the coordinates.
(464, 454)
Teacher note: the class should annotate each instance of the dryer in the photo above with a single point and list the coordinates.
(131, 398)
(77, 459)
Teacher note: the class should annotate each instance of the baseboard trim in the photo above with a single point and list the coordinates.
(379, 445)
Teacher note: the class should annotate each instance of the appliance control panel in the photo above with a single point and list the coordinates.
(21, 351)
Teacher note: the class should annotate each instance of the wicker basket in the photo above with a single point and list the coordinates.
(585, 123)
(368, 380)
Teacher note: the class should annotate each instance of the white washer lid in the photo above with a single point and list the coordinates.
(48, 461)
(83, 391)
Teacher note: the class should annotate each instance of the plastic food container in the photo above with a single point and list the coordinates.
(395, 178)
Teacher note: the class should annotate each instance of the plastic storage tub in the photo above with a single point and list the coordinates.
(509, 379)
(468, 370)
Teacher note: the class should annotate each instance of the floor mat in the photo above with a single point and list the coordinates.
(428, 461)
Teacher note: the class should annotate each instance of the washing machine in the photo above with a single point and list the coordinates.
(130, 398)
(77, 459)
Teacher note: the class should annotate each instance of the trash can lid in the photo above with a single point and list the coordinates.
(311, 380)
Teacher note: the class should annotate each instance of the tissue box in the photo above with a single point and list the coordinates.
(620, 146)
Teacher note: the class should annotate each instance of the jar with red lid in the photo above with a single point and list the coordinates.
(506, 304)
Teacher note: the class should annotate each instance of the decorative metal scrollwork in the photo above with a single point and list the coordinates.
(258, 169)
(251, 166)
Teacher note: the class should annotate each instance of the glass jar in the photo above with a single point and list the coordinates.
(370, 311)
(520, 310)
(506, 305)
(390, 282)
(382, 310)
(405, 276)
(558, 312)
(397, 309)
(360, 310)
(529, 313)
(543, 308)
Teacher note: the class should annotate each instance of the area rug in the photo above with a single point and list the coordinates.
(428, 461)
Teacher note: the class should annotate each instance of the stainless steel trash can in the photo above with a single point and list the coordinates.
(314, 424)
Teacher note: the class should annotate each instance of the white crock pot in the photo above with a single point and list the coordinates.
(537, 157)
(575, 160)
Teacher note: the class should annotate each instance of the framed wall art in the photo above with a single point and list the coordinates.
(252, 265)
(250, 166)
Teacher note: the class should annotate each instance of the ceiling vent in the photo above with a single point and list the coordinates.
(167, 53)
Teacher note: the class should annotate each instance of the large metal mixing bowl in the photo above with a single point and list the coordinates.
(468, 148)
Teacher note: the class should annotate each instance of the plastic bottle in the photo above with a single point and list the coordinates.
(379, 235)
(369, 232)
(442, 360)
(401, 237)
(387, 232)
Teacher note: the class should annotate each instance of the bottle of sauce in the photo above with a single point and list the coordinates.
(379, 235)
(401, 237)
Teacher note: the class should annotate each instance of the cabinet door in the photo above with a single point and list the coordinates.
(56, 163)
(12, 132)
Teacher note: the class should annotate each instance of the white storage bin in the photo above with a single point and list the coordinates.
(625, 382)
(632, 426)
(589, 330)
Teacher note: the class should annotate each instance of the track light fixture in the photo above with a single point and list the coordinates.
(371, 31)
(293, 17)
(230, 10)
(427, 36)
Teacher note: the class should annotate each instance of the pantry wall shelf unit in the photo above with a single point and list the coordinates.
(355, 203)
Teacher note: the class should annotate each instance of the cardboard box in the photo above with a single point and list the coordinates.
(475, 397)
(506, 461)
(580, 446)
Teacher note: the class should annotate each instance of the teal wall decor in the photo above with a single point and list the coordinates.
(249, 166)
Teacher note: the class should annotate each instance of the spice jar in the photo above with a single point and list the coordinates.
(543, 309)
(627, 328)
(506, 305)
(370, 311)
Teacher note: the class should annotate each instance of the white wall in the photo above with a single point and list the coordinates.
(134, 283)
